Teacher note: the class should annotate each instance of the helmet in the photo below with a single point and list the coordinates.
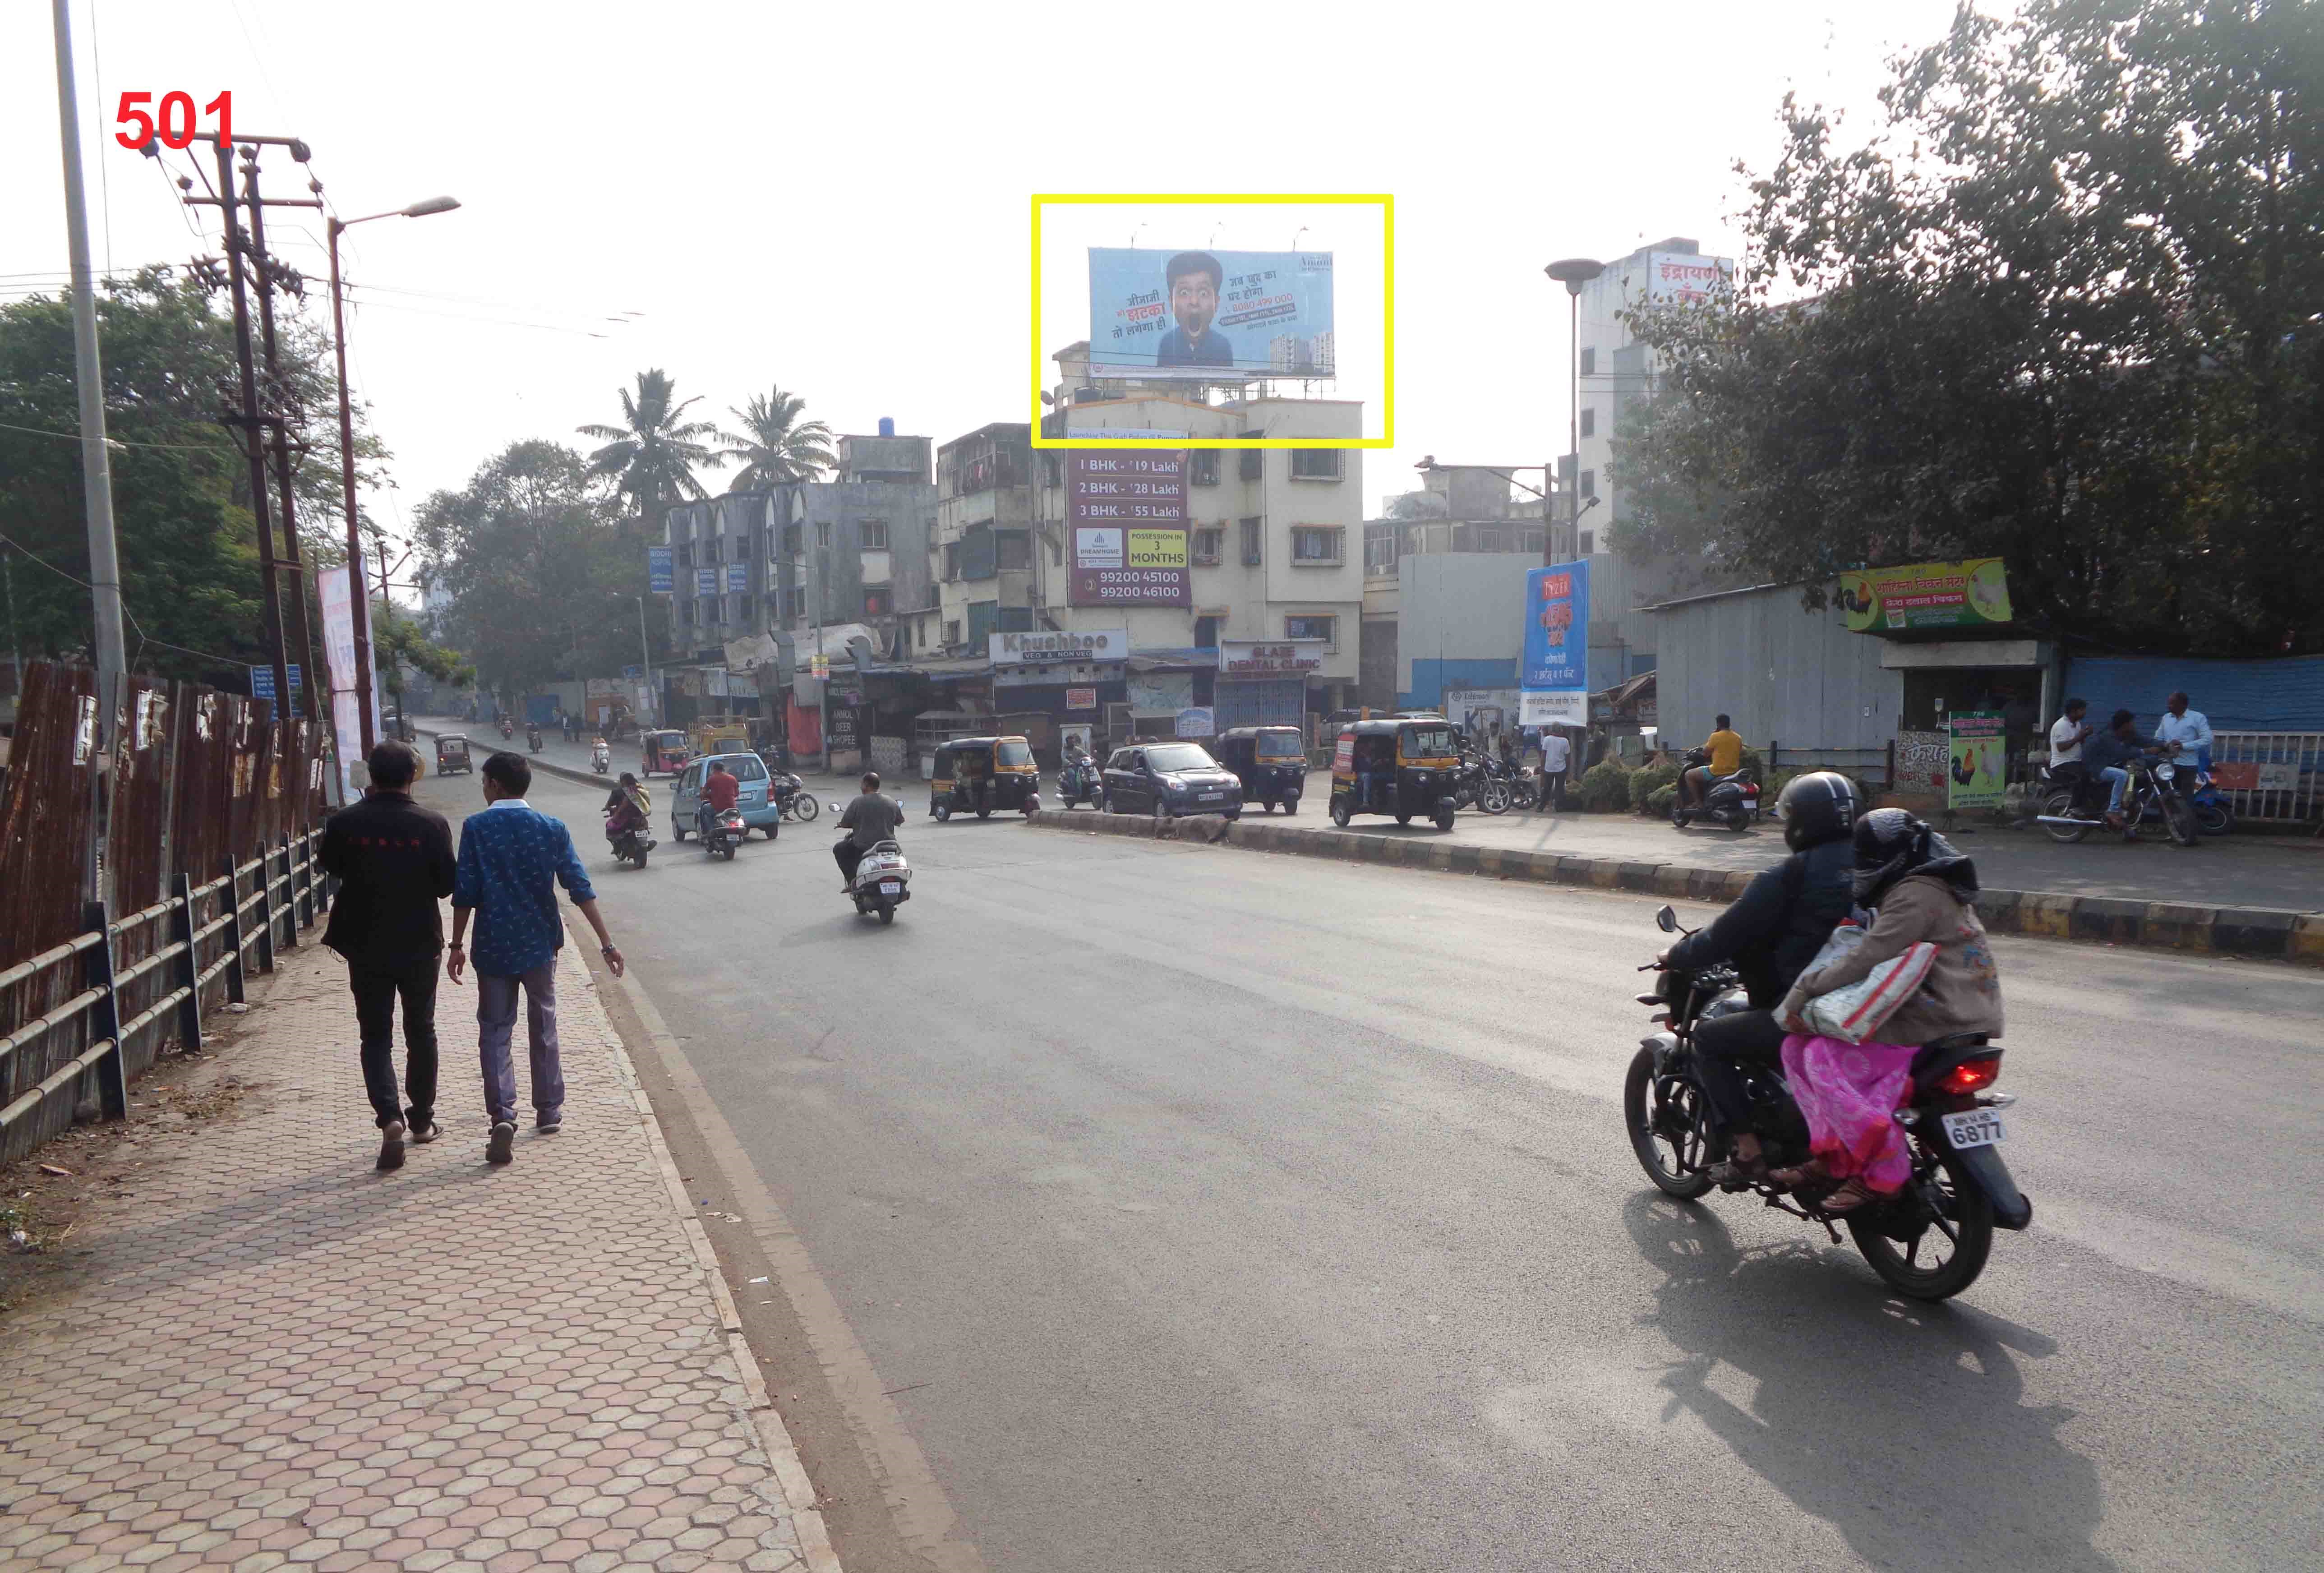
(1890, 843)
(1816, 808)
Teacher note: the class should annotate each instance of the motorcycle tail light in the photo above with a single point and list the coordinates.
(1970, 1076)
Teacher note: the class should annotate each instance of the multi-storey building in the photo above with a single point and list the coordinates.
(854, 548)
(981, 553)
(1444, 591)
(719, 588)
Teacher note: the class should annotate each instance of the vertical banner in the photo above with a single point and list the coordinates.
(662, 577)
(1553, 678)
(1977, 759)
(1126, 513)
(335, 592)
(705, 581)
(738, 578)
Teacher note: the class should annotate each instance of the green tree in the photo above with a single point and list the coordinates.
(775, 446)
(651, 454)
(2066, 307)
(398, 641)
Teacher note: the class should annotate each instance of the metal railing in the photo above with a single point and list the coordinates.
(2285, 770)
(128, 985)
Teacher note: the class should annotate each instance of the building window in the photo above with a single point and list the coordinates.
(1254, 534)
(1533, 540)
(1589, 482)
(1052, 472)
(823, 533)
(875, 603)
(1015, 548)
(1311, 627)
(1250, 461)
(1589, 543)
(1202, 466)
(1208, 544)
(875, 535)
(683, 554)
(951, 562)
(1314, 464)
(1206, 633)
(1315, 545)
(951, 635)
(1589, 422)
(1589, 362)
(795, 603)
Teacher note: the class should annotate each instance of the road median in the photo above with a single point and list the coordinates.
(2255, 932)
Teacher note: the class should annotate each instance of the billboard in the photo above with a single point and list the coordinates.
(1221, 316)
(335, 592)
(1977, 761)
(1554, 673)
(661, 578)
(1972, 594)
(1684, 278)
(1126, 513)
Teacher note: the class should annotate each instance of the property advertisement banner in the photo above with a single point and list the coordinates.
(1554, 676)
(1978, 759)
(705, 581)
(1220, 315)
(335, 592)
(738, 578)
(1126, 513)
(1081, 699)
(660, 576)
(1972, 594)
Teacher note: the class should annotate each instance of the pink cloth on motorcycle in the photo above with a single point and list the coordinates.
(1850, 1093)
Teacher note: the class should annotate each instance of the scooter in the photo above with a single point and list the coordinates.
(724, 831)
(2214, 812)
(882, 882)
(630, 846)
(1080, 781)
(601, 758)
(1732, 800)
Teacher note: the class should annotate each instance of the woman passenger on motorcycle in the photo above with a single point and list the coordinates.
(1918, 888)
(628, 806)
(1771, 933)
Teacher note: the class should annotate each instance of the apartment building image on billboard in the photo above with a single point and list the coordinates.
(1295, 354)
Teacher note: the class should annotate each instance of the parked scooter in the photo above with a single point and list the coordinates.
(1732, 800)
(883, 883)
(2214, 812)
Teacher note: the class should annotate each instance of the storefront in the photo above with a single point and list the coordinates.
(1265, 682)
(1047, 685)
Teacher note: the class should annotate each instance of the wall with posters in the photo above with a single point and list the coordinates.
(1158, 313)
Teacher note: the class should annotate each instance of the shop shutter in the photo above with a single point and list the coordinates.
(1264, 701)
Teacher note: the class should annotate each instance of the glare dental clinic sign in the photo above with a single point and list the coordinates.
(1271, 658)
(1010, 649)
(1971, 593)
(1126, 513)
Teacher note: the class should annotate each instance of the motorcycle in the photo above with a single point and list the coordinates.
(791, 796)
(601, 758)
(507, 730)
(1081, 781)
(882, 882)
(2151, 803)
(723, 831)
(1732, 800)
(1481, 786)
(630, 845)
(532, 740)
(1931, 1239)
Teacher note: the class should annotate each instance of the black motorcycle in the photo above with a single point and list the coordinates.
(790, 795)
(1931, 1239)
(1480, 785)
(2152, 803)
(532, 740)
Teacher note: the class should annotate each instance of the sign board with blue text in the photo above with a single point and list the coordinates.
(705, 581)
(738, 578)
(262, 685)
(661, 577)
(1553, 674)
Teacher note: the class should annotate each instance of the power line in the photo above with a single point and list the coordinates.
(143, 637)
(114, 442)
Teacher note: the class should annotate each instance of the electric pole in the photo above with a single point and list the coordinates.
(251, 425)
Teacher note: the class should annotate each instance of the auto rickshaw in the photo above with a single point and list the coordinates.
(666, 750)
(980, 773)
(1403, 766)
(1271, 762)
(452, 754)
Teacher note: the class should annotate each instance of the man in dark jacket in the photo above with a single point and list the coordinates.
(1771, 934)
(394, 862)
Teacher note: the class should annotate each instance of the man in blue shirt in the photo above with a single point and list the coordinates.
(512, 859)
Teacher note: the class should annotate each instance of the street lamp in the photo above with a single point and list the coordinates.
(358, 604)
(1573, 273)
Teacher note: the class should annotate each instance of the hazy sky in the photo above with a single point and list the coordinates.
(835, 198)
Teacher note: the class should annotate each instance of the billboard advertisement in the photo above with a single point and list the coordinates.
(1221, 316)
(1684, 278)
(1553, 674)
(660, 576)
(1126, 513)
(335, 592)
(1978, 759)
(1972, 594)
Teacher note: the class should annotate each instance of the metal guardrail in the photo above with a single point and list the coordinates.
(212, 935)
(2287, 765)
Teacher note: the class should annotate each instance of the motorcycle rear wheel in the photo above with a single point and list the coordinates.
(887, 912)
(1964, 1221)
(2214, 819)
(1673, 1163)
(2061, 805)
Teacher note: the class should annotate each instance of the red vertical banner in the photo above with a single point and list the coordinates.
(1125, 518)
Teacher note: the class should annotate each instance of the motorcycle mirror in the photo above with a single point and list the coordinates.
(1666, 920)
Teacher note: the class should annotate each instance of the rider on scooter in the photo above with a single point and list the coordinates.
(1726, 750)
(720, 792)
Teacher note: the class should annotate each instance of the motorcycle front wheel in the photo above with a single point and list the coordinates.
(805, 807)
(1938, 1256)
(2179, 818)
(1494, 797)
(1666, 1132)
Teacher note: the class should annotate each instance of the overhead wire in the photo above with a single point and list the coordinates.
(144, 638)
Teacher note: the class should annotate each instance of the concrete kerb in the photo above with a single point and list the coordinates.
(2255, 932)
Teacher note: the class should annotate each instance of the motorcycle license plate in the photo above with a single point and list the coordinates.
(1973, 1127)
(892, 887)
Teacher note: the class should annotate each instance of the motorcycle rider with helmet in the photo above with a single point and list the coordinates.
(1771, 933)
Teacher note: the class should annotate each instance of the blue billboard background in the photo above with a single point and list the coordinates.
(1554, 673)
(1270, 315)
(659, 575)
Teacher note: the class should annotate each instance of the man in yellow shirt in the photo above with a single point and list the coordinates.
(1726, 751)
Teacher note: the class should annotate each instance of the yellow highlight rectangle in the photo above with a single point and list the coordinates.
(1387, 203)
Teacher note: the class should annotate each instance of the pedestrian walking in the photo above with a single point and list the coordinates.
(513, 858)
(393, 861)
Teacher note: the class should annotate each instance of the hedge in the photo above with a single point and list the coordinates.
(1604, 788)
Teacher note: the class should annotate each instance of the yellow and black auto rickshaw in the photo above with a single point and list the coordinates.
(1405, 767)
(1270, 761)
(976, 774)
(452, 754)
(667, 750)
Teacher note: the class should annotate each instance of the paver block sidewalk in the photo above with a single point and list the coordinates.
(280, 1358)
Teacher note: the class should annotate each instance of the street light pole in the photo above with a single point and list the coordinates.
(1573, 273)
(645, 655)
(358, 599)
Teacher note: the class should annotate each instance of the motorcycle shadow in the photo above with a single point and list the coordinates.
(1900, 1424)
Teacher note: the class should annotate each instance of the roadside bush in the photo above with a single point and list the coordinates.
(1661, 800)
(1755, 764)
(1644, 784)
(1604, 788)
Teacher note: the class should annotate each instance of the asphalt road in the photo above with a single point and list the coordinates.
(1207, 1209)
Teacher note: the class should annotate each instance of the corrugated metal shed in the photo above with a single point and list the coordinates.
(1782, 673)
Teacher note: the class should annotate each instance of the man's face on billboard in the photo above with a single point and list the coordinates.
(1194, 301)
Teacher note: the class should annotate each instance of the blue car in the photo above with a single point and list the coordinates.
(758, 810)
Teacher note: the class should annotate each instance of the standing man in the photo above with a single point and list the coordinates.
(871, 819)
(2189, 729)
(393, 861)
(1557, 754)
(512, 859)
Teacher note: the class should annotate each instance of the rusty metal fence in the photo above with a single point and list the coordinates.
(202, 820)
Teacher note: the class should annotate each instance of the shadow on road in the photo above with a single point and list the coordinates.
(1900, 1424)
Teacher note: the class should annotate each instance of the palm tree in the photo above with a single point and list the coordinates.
(774, 446)
(652, 454)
